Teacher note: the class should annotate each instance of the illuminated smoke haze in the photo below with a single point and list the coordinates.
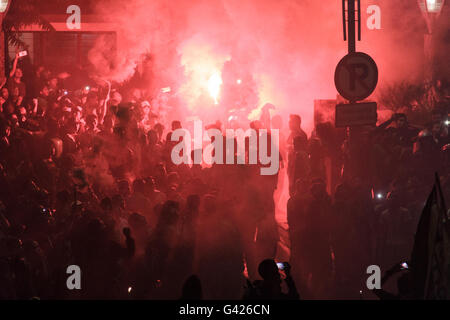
(290, 47)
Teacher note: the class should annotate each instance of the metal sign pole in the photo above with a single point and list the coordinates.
(351, 41)
(356, 75)
(351, 26)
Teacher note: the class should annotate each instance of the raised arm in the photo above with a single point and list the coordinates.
(385, 124)
(292, 289)
(105, 104)
(381, 293)
(13, 70)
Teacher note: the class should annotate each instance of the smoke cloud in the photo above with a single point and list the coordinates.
(290, 47)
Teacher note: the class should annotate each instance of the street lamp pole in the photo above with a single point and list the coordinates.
(430, 10)
(4, 6)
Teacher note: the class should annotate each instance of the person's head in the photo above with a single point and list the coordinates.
(120, 132)
(192, 289)
(137, 221)
(53, 82)
(46, 74)
(169, 213)
(295, 122)
(91, 122)
(401, 120)
(5, 129)
(44, 92)
(14, 120)
(126, 232)
(436, 129)
(18, 74)
(63, 197)
(267, 107)
(136, 94)
(160, 170)
(8, 108)
(173, 178)
(159, 128)
(256, 125)
(176, 125)
(150, 184)
(116, 98)
(5, 93)
(71, 125)
(169, 139)
(30, 246)
(268, 270)
(39, 71)
(92, 99)
(436, 116)
(22, 114)
(342, 192)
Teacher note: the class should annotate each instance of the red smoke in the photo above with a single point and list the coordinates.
(289, 47)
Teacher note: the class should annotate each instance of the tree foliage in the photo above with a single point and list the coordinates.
(23, 13)
(404, 95)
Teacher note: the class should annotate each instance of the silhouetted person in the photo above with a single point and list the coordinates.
(186, 243)
(315, 239)
(298, 163)
(403, 134)
(296, 215)
(270, 287)
(192, 289)
(404, 285)
(295, 130)
(130, 245)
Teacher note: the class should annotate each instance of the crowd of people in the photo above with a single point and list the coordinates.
(87, 179)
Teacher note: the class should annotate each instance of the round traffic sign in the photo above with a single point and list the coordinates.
(356, 76)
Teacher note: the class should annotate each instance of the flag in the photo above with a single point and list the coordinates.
(430, 259)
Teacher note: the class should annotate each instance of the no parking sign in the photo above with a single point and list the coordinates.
(356, 76)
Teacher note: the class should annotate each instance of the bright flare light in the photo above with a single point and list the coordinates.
(431, 5)
(202, 65)
(3, 5)
(214, 83)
